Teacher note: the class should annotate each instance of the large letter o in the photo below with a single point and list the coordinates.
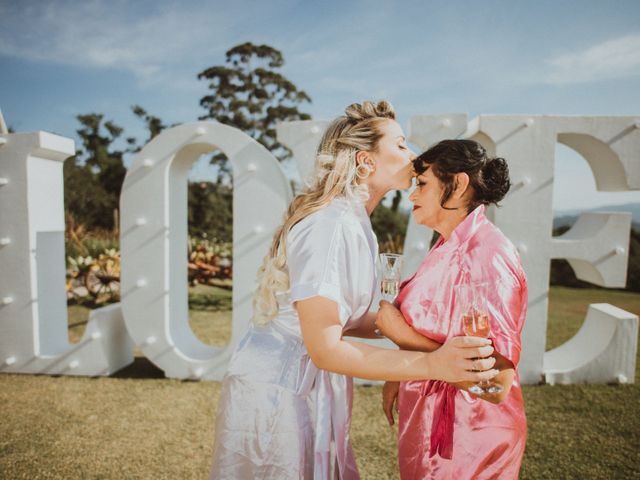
(154, 241)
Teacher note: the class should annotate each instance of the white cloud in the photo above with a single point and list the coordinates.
(155, 46)
(617, 58)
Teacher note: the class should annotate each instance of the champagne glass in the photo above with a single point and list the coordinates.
(390, 266)
(472, 299)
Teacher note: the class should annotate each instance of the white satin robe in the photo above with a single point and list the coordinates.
(279, 416)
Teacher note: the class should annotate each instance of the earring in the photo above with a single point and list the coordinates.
(363, 171)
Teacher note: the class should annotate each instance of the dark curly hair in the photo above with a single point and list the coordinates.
(488, 176)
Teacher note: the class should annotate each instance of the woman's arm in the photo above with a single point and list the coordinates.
(366, 328)
(393, 325)
(322, 335)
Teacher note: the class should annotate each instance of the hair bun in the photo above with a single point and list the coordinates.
(495, 173)
(366, 110)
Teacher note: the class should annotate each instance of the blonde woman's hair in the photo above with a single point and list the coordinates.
(359, 129)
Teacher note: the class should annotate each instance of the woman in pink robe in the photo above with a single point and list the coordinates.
(445, 432)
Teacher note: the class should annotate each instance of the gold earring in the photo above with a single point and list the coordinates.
(363, 171)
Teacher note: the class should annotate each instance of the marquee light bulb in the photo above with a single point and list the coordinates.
(147, 162)
(10, 360)
(4, 241)
(141, 221)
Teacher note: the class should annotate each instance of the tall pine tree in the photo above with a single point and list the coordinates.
(249, 93)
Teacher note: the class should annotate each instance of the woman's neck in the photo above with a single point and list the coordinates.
(449, 224)
(375, 197)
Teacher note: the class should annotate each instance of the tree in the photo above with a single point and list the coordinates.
(93, 178)
(84, 198)
(390, 226)
(154, 125)
(250, 94)
(210, 211)
(395, 202)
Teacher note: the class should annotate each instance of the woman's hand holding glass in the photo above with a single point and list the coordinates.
(389, 321)
(472, 301)
(464, 359)
(459, 359)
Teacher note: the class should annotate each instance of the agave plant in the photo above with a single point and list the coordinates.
(79, 269)
(103, 281)
(99, 276)
(209, 263)
(81, 266)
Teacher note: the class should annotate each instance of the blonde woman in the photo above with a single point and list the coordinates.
(285, 404)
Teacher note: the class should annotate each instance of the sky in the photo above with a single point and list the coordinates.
(59, 59)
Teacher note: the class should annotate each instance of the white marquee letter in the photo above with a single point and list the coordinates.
(33, 308)
(597, 245)
(154, 241)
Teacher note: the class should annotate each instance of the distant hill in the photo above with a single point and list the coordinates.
(568, 217)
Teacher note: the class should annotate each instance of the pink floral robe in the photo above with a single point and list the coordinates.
(446, 433)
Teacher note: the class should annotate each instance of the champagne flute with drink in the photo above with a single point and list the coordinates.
(390, 266)
(472, 299)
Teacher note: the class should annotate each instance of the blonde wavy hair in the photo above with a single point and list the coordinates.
(359, 129)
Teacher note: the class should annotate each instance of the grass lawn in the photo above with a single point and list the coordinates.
(137, 424)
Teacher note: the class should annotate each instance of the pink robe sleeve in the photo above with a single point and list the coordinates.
(507, 303)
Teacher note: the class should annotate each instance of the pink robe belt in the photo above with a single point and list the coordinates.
(444, 414)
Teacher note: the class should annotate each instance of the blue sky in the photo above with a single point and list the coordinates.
(63, 58)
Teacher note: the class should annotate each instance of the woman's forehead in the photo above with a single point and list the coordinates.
(393, 129)
(425, 174)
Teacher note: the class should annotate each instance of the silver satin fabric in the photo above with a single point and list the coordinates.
(279, 416)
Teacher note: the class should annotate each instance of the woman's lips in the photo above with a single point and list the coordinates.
(415, 207)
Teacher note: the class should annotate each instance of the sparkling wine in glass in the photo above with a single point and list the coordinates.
(475, 322)
(390, 266)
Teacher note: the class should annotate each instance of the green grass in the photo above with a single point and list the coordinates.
(568, 308)
(137, 424)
